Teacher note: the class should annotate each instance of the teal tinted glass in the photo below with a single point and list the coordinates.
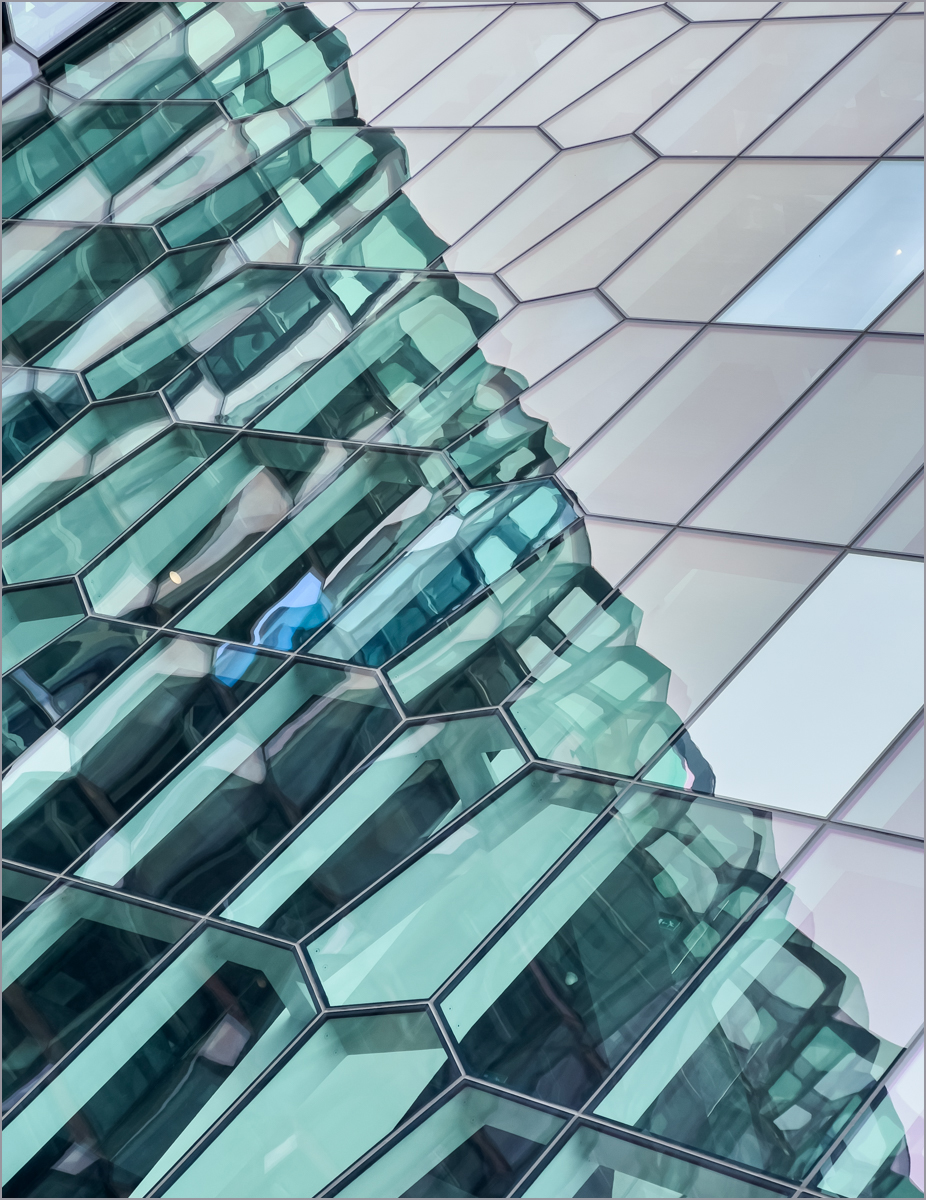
(35, 405)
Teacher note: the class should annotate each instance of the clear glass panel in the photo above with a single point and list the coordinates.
(611, 940)
(588, 390)
(729, 233)
(589, 248)
(907, 315)
(69, 537)
(593, 1163)
(64, 966)
(75, 781)
(624, 102)
(477, 173)
(409, 936)
(855, 261)
(666, 449)
(778, 1046)
(837, 460)
(892, 796)
(96, 441)
(197, 836)
(477, 1144)
(733, 102)
(333, 546)
(605, 49)
(35, 405)
(576, 179)
(33, 616)
(800, 692)
(489, 68)
(901, 529)
(41, 29)
(883, 1154)
(140, 1094)
(52, 681)
(865, 106)
(345, 1089)
(427, 777)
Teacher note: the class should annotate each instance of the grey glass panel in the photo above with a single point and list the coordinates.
(427, 777)
(33, 616)
(800, 691)
(565, 992)
(892, 796)
(73, 783)
(852, 264)
(35, 404)
(912, 144)
(345, 1089)
(64, 966)
(140, 1094)
(907, 315)
(783, 1040)
(477, 1144)
(404, 940)
(593, 1163)
(901, 528)
(839, 458)
(50, 682)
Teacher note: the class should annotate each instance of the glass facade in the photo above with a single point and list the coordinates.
(462, 722)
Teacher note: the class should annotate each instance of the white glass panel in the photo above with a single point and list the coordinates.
(424, 145)
(839, 458)
(570, 184)
(820, 701)
(519, 43)
(608, 46)
(586, 392)
(834, 8)
(667, 449)
(536, 338)
(911, 146)
(901, 528)
(892, 796)
(864, 106)
(729, 10)
(725, 237)
(478, 172)
(739, 97)
(617, 547)
(359, 28)
(907, 314)
(622, 103)
(614, 8)
(590, 247)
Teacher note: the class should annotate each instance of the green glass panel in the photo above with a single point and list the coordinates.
(476, 1144)
(64, 966)
(73, 534)
(138, 1096)
(455, 405)
(19, 888)
(474, 545)
(75, 781)
(511, 446)
(610, 942)
(24, 115)
(386, 366)
(882, 1155)
(195, 839)
(213, 519)
(765, 1062)
(597, 1164)
(35, 404)
(395, 237)
(33, 616)
(328, 550)
(48, 684)
(98, 439)
(92, 192)
(153, 359)
(60, 148)
(427, 777)
(28, 246)
(345, 1089)
(601, 702)
(405, 939)
(76, 282)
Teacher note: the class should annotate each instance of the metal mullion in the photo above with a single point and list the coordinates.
(865, 1107)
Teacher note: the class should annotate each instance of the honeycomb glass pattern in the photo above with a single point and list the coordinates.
(462, 610)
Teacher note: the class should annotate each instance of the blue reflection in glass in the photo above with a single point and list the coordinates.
(856, 259)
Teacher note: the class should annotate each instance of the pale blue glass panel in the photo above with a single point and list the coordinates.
(846, 269)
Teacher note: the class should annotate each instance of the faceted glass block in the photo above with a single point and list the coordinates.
(35, 405)
(19, 889)
(34, 616)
